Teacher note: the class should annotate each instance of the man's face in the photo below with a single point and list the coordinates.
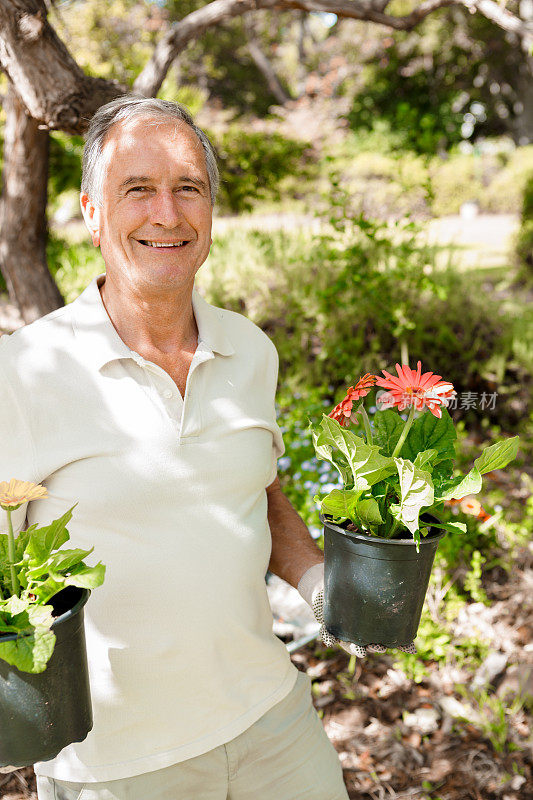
(155, 192)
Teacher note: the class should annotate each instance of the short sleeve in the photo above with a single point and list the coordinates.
(16, 450)
(278, 447)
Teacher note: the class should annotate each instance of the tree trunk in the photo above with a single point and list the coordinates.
(23, 225)
(302, 55)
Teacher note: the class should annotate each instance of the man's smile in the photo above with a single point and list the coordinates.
(167, 245)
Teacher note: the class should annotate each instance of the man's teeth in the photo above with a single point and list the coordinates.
(163, 244)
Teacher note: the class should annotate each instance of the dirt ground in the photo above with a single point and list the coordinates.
(399, 739)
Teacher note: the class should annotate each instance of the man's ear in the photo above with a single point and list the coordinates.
(91, 216)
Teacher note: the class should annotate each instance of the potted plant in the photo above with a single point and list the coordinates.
(45, 701)
(381, 530)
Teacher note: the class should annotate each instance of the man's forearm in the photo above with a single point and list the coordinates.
(293, 548)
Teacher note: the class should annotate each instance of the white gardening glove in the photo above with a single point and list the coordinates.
(311, 587)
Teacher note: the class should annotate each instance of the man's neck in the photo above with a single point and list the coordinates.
(151, 325)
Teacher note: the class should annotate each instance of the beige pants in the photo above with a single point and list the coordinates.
(285, 755)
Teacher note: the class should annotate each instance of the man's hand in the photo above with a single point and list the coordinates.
(311, 587)
(353, 649)
(329, 640)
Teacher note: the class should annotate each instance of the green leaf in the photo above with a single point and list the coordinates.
(40, 616)
(367, 510)
(44, 540)
(498, 455)
(470, 484)
(334, 435)
(64, 560)
(339, 504)
(388, 426)
(7, 627)
(323, 452)
(16, 605)
(22, 540)
(48, 588)
(29, 653)
(377, 467)
(442, 471)
(365, 461)
(416, 490)
(86, 577)
(425, 457)
(34, 645)
(380, 489)
(453, 527)
(429, 432)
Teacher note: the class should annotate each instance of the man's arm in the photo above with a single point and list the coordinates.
(293, 548)
(296, 556)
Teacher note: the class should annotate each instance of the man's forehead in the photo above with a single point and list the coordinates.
(137, 125)
(125, 136)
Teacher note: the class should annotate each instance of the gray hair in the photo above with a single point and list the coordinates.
(124, 108)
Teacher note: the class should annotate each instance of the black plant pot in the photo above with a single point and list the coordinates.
(374, 589)
(41, 714)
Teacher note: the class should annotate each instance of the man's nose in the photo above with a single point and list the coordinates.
(165, 209)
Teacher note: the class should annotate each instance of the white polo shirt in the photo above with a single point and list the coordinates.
(171, 493)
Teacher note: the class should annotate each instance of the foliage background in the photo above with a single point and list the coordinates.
(383, 133)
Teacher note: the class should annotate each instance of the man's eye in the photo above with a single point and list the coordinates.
(137, 189)
(190, 188)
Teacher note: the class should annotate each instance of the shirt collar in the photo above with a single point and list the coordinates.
(101, 343)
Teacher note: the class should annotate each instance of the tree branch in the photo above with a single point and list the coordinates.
(504, 19)
(193, 25)
(55, 91)
(263, 64)
(60, 96)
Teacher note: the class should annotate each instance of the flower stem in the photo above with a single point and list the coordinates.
(393, 529)
(15, 586)
(405, 431)
(366, 424)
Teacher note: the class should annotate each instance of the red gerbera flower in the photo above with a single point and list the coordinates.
(343, 410)
(412, 388)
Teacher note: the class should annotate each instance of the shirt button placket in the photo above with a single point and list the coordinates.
(191, 416)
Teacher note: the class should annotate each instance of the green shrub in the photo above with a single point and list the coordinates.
(252, 165)
(408, 107)
(392, 182)
(524, 243)
(495, 178)
(65, 163)
(455, 181)
(506, 184)
(340, 303)
(73, 265)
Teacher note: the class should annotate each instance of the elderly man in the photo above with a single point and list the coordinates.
(155, 412)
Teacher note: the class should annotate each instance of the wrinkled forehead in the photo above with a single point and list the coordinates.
(153, 142)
